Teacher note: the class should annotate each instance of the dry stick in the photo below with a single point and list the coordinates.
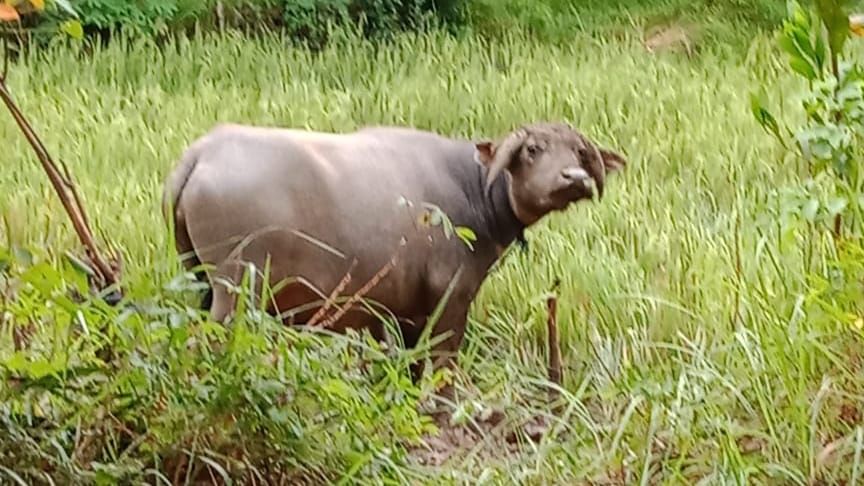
(76, 213)
(67, 181)
(337, 290)
(5, 60)
(554, 348)
(182, 463)
(362, 292)
(220, 15)
(62, 186)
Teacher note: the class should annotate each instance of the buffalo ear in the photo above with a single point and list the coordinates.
(612, 160)
(484, 153)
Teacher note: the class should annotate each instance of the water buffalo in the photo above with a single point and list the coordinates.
(317, 207)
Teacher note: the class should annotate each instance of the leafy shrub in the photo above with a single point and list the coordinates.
(95, 394)
(826, 210)
(555, 20)
(143, 15)
(302, 18)
(834, 107)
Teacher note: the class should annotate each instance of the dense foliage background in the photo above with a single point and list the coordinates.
(308, 19)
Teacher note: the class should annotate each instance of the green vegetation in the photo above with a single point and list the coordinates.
(307, 19)
(551, 20)
(705, 337)
(727, 21)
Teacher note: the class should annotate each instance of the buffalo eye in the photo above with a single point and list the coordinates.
(533, 150)
(584, 154)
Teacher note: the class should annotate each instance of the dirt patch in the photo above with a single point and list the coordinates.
(670, 37)
(489, 436)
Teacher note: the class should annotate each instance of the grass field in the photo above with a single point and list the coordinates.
(692, 354)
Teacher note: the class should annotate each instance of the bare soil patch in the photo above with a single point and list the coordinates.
(670, 37)
(490, 436)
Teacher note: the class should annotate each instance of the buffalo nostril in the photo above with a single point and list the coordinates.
(575, 174)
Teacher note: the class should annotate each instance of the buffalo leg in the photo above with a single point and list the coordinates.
(445, 353)
(223, 298)
(207, 299)
(223, 303)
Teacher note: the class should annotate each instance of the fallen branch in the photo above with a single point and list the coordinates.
(62, 183)
(362, 292)
(333, 295)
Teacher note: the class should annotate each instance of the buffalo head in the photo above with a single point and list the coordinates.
(551, 165)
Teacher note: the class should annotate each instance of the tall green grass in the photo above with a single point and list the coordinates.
(691, 351)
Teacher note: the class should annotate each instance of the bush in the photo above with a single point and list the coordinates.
(555, 20)
(143, 16)
(302, 18)
(91, 394)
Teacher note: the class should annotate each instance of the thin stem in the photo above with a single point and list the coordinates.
(554, 369)
(5, 59)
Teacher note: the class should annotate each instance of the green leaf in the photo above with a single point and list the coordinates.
(104, 478)
(836, 21)
(763, 116)
(40, 368)
(48, 281)
(467, 235)
(337, 388)
(801, 17)
(820, 53)
(757, 107)
(787, 43)
(803, 67)
(65, 5)
(801, 36)
(17, 362)
(73, 28)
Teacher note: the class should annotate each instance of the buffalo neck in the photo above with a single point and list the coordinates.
(495, 210)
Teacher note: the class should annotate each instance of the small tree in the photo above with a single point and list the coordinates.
(831, 139)
(831, 199)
